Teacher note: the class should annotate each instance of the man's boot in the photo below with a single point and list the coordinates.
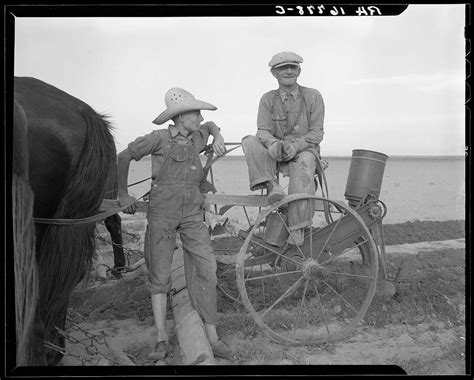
(275, 191)
(296, 237)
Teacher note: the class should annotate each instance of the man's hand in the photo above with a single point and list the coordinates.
(289, 151)
(276, 150)
(218, 145)
(127, 199)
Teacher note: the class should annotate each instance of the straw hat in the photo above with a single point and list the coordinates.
(179, 101)
(285, 58)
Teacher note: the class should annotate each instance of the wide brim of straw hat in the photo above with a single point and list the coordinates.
(192, 105)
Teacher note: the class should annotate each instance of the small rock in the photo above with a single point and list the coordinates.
(103, 362)
(419, 318)
(385, 290)
(405, 339)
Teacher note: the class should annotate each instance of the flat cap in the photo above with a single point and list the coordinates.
(285, 58)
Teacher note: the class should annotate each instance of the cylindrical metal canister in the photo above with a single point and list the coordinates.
(275, 230)
(365, 175)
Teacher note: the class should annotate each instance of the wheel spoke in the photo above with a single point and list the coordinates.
(275, 251)
(301, 307)
(227, 271)
(330, 235)
(328, 261)
(249, 272)
(354, 246)
(272, 275)
(223, 290)
(247, 215)
(350, 275)
(340, 296)
(289, 232)
(290, 290)
(322, 308)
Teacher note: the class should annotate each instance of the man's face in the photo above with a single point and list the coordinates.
(287, 74)
(191, 120)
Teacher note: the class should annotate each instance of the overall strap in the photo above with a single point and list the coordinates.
(168, 145)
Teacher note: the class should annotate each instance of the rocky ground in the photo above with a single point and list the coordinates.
(421, 328)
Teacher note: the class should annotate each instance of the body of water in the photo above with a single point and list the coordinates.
(413, 188)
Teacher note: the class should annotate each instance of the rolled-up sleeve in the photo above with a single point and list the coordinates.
(316, 123)
(265, 127)
(201, 136)
(145, 145)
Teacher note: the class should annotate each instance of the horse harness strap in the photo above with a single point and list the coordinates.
(106, 214)
(91, 219)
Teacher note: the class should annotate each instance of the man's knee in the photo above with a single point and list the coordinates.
(251, 145)
(306, 156)
(248, 137)
(307, 160)
(251, 141)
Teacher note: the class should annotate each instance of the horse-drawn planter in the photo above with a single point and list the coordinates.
(316, 292)
(62, 146)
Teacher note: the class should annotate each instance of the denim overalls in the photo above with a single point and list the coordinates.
(176, 205)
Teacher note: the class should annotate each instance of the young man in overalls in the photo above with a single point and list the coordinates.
(176, 205)
(290, 127)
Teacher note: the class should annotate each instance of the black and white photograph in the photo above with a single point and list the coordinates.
(278, 187)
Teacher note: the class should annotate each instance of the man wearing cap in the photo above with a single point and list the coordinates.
(290, 127)
(176, 205)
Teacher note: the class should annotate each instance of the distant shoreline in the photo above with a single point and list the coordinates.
(392, 158)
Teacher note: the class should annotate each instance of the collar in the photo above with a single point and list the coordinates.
(175, 131)
(293, 93)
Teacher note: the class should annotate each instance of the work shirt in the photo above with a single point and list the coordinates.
(154, 144)
(296, 117)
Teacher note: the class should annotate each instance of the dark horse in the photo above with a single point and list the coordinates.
(71, 155)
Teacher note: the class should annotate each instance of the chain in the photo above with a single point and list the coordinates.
(72, 319)
(127, 250)
(99, 338)
(135, 237)
(65, 352)
(90, 348)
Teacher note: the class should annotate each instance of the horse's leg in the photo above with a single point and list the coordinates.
(114, 226)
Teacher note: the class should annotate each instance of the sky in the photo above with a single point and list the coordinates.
(393, 84)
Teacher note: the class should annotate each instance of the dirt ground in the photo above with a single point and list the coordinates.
(421, 328)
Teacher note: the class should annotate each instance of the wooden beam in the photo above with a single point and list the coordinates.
(236, 200)
(213, 199)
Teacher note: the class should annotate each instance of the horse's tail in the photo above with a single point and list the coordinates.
(111, 188)
(26, 278)
(66, 251)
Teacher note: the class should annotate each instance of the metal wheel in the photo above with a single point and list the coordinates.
(319, 291)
